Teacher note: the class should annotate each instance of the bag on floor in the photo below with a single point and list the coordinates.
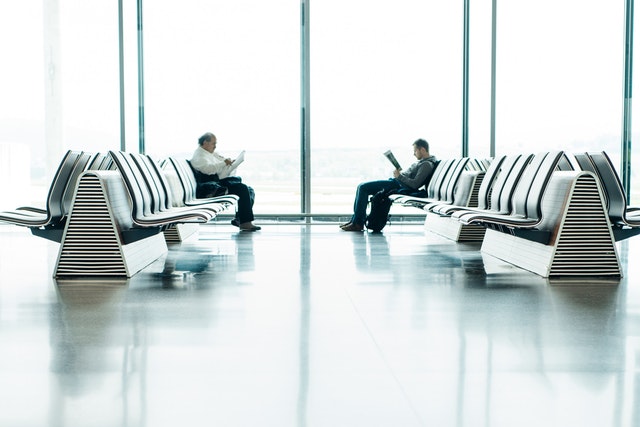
(379, 215)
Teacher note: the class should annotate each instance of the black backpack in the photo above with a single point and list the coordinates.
(379, 215)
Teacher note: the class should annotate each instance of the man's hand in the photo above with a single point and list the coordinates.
(396, 173)
(228, 162)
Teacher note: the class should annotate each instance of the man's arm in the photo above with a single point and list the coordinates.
(206, 166)
(416, 175)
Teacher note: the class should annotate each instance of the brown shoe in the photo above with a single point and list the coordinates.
(353, 227)
(345, 225)
(248, 226)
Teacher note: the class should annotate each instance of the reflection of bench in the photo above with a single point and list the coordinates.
(116, 220)
(557, 226)
(50, 221)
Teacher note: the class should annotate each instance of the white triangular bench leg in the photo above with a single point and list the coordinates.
(92, 243)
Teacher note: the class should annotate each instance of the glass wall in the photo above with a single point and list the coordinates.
(231, 68)
(22, 78)
(58, 90)
(90, 101)
(382, 76)
(559, 76)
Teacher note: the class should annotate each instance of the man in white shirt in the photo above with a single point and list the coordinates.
(212, 164)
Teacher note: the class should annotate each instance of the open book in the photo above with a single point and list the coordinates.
(389, 155)
(230, 169)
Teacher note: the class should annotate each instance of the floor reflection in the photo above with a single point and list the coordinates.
(90, 342)
(305, 326)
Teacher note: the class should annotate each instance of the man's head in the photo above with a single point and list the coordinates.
(421, 149)
(208, 141)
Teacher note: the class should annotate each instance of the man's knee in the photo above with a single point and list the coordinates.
(239, 189)
(366, 186)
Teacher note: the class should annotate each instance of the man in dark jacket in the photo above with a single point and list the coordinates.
(413, 178)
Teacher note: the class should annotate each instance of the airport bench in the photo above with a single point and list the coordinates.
(183, 184)
(117, 218)
(49, 222)
(557, 226)
(452, 183)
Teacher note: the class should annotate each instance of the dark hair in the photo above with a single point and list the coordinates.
(422, 143)
(205, 138)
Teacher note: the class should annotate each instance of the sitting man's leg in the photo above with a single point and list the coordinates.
(361, 201)
(244, 215)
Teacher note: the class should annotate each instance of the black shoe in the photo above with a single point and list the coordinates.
(235, 222)
(252, 228)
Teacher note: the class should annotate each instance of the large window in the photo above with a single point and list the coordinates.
(88, 68)
(559, 73)
(58, 90)
(382, 75)
(22, 147)
(231, 68)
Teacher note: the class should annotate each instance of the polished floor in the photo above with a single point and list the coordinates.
(305, 325)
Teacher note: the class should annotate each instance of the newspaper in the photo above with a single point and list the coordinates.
(230, 169)
(389, 155)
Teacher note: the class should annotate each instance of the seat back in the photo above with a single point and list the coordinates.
(488, 180)
(136, 161)
(527, 196)
(451, 179)
(540, 182)
(509, 175)
(160, 181)
(175, 184)
(475, 165)
(615, 198)
(584, 161)
(80, 166)
(438, 176)
(564, 163)
(156, 192)
(56, 196)
(187, 178)
(538, 167)
(101, 161)
(133, 180)
(519, 197)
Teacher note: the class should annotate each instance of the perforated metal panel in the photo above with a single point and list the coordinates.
(585, 245)
(471, 233)
(171, 235)
(178, 233)
(90, 245)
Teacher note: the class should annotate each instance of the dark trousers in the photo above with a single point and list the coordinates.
(363, 192)
(246, 196)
